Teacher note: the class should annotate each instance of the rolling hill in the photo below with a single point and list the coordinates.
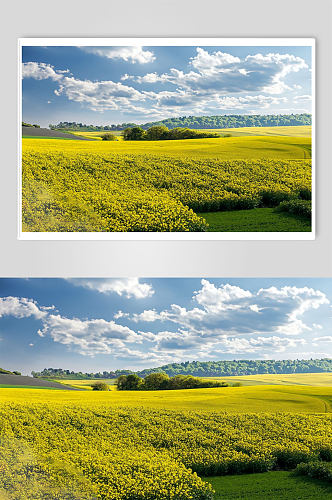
(19, 381)
(51, 134)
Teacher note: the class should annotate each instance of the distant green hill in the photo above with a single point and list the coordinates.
(7, 372)
(207, 369)
(201, 122)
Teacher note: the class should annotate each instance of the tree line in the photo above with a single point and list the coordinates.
(205, 369)
(199, 122)
(161, 132)
(161, 381)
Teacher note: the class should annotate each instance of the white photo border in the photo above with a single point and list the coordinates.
(168, 236)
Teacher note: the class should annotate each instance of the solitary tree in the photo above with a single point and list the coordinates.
(108, 137)
(100, 386)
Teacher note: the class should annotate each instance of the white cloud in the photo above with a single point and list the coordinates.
(20, 307)
(99, 96)
(120, 314)
(229, 310)
(302, 98)
(134, 54)
(217, 82)
(148, 78)
(148, 315)
(301, 300)
(255, 308)
(224, 319)
(221, 73)
(215, 299)
(88, 337)
(208, 63)
(40, 71)
(127, 287)
(325, 338)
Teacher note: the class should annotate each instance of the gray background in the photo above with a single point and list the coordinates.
(177, 18)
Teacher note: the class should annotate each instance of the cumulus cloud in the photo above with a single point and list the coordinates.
(134, 54)
(207, 63)
(216, 81)
(148, 315)
(215, 299)
(127, 287)
(40, 71)
(99, 96)
(228, 309)
(222, 319)
(20, 307)
(89, 337)
(224, 73)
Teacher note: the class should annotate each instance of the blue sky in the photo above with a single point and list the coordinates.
(105, 85)
(105, 324)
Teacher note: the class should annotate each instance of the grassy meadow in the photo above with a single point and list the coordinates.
(229, 442)
(280, 485)
(225, 184)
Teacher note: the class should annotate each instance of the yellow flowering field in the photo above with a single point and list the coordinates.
(70, 188)
(70, 451)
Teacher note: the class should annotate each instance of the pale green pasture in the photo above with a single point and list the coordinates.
(295, 131)
(311, 379)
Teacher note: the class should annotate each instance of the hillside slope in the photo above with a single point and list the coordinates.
(21, 381)
(45, 132)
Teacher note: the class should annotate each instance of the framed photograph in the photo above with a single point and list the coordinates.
(166, 138)
(165, 388)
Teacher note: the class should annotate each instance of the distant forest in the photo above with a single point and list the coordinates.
(199, 122)
(206, 369)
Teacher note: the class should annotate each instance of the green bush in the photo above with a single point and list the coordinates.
(304, 193)
(108, 137)
(100, 386)
(316, 470)
(272, 198)
(296, 207)
(288, 459)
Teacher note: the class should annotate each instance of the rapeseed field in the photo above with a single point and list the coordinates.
(67, 451)
(89, 186)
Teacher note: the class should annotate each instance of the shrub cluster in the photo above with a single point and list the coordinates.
(316, 470)
(162, 133)
(100, 386)
(296, 207)
(108, 137)
(161, 381)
